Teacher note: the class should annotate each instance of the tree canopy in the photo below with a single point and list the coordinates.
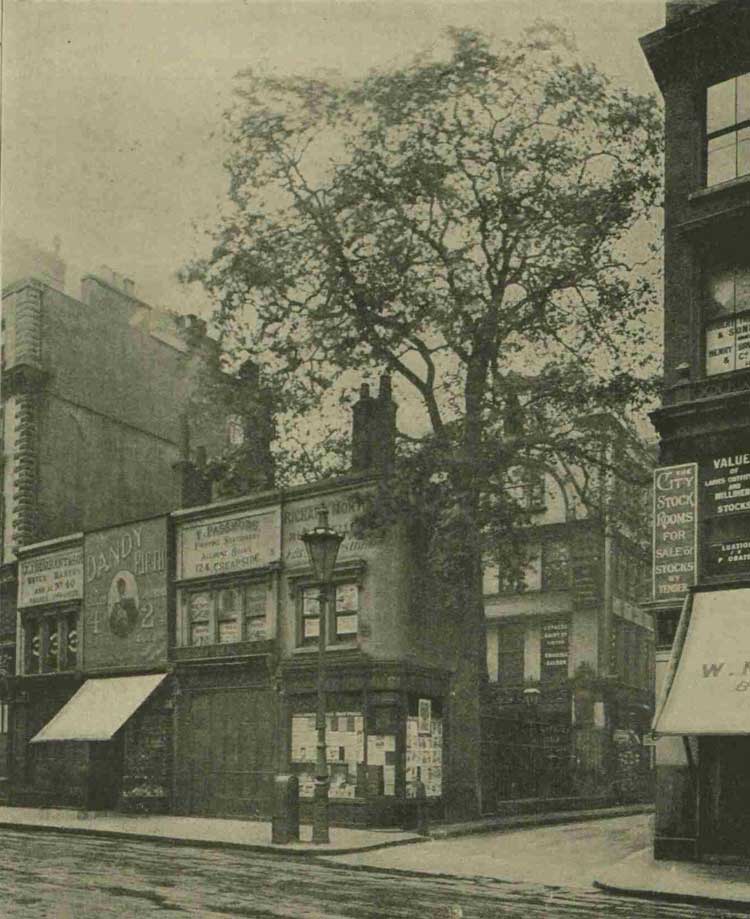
(472, 224)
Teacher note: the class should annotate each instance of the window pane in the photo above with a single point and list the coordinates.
(310, 627)
(52, 657)
(34, 646)
(255, 629)
(743, 98)
(72, 641)
(200, 634)
(229, 630)
(511, 641)
(721, 109)
(720, 288)
(722, 159)
(200, 606)
(742, 338)
(347, 597)
(743, 152)
(742, 288)
(720, 347)
(555, 565)
(347, 624)
(229, 601)
(255, 612)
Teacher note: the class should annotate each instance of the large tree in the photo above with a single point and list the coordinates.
(465, 223)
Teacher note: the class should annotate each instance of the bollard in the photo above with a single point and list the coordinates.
(285, 820)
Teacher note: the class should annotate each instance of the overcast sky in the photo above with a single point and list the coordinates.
(112, 111)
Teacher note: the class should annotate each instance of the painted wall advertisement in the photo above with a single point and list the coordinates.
(725, 505)
(53, 578)
(125, 598)
(343, 511)
(675, 535)
(235, 542)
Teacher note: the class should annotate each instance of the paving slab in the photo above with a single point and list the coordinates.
(198, 831)
(641, 875)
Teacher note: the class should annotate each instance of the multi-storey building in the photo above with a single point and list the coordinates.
(97, 417)
(569, 651)
(701, 61)
(170, 663)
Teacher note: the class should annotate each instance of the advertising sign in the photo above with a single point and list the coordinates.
(53, 578)
(725, 503)
(675, 543)
(343, 510)
(235, 542)
(125, 598)
(554, 648)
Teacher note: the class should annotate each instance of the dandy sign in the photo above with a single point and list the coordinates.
(675, 542)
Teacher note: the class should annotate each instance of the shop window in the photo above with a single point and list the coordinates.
(225, 615)
(52, 646)
(33, 646)
(728, 130)
(510, 654)
(555, 565)
(727, 310)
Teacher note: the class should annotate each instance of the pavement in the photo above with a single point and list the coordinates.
(197, 831)
(641, 875)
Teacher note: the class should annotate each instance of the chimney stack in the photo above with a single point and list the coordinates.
(374, 429)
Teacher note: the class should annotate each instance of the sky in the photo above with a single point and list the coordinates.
(112, 112)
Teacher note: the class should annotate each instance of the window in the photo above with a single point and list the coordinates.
(227, 614)
(235, 431)
(555, 565)
(728, 130)
(727, 310)
(3, 718)
(50, 642)
(344, 619)
(511, 640)
(534, 490)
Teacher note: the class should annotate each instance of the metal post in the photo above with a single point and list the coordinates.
(320, 799)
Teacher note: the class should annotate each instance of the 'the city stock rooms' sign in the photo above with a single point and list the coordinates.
(675, 530)
(53, 578)
(125, 598)
(235, 542)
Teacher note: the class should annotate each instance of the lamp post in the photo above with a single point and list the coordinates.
(322, 544)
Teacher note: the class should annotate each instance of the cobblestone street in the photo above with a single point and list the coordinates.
(48, 875)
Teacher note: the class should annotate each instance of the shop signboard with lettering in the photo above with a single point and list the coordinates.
(125, 595)
(675, 537)
(554, 649)
(343, 511)
(725, 505)
(56, 577)
(234, 542)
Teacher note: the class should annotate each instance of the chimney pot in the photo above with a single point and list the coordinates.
(364, 391)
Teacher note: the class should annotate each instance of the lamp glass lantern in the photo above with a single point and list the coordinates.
(322, 544)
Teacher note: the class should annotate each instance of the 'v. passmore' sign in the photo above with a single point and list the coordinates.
(675, 530)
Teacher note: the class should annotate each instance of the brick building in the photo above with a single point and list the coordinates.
(97, 418)
(570, 654)
(701, 61)
(192, 678)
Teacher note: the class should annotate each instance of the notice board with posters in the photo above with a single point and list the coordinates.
(675, 538)
(125, 595)
(725, 511)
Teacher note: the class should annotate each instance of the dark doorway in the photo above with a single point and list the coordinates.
(725, 795)
(105, 773)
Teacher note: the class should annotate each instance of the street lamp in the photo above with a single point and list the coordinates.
(322, 544)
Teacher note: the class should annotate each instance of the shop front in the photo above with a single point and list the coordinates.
(223, 652)
(705, 704)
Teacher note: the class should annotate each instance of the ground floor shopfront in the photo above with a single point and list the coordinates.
(703, 725)
(208, 739)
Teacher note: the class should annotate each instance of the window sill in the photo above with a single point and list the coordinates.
(226, 650)
(339, 646)
(711, 190)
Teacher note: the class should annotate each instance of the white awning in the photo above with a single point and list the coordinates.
(100, 708)
(710, 692)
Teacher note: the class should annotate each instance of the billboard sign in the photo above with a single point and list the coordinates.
(675, 537)
(125, 598)
(56, 577)
(234, 542)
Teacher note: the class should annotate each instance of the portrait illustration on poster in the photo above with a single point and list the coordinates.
(123, 604)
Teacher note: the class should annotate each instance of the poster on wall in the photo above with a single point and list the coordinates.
(675, 535)
(725, 504)
(53, 578)
(554, 650)
(234, 542)
(125, 595)
(345, 752)
(424, 757)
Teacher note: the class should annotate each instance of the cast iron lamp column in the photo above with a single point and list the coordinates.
(322, 544)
